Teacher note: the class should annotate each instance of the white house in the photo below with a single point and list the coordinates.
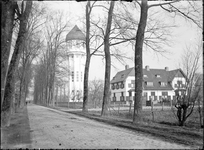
(75, 40)
(157, 84)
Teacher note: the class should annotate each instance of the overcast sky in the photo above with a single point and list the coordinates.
(185, 33)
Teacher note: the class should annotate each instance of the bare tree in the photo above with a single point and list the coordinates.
(88, 56)
(144, 7)
(54, 30)
(108, 61)
(96, 92)
(198, 89)
(96, 42)
(186, 100)
(10, 81)
(31, 46)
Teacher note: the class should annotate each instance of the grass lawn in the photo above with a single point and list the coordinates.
(164, 125)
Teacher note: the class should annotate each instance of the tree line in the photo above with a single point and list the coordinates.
(40, 37)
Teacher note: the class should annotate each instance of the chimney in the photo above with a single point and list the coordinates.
(147, 68)
(167, 68)
(126, 67)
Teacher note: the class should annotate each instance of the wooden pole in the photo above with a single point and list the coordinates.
(152, 107)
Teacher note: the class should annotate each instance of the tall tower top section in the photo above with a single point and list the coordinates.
(75, 34)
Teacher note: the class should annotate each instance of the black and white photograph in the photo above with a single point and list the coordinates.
(124, 74)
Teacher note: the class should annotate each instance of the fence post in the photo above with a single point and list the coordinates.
(119, 107)
(130, 106)
(152, 107)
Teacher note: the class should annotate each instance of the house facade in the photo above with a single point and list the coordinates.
(158, 84)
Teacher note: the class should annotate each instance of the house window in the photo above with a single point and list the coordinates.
(179, 83)
(129, 85)
(149, 83)
(121, 85)
(164, 93)
(122, 75)
(158, 76)
(117, 86)
(162, 83)
(145, 76)
(152, 93)
(113, 87)
(130, 93)
(72, 76)
(114, 97)
(133, 81)
(121, 97)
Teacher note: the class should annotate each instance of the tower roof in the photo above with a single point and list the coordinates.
(75, 34)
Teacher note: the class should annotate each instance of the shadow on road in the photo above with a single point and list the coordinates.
(17, 135)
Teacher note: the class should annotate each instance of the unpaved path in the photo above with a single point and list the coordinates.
(55, 129)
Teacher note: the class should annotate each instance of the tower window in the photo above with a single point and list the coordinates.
(72, 76)
(77, 76)
(70, 44)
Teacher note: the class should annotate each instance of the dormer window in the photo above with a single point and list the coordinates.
(145, 76)
(162, 83)
(117, 86)
(113, 87)
(122, 75)
(158, 76)
(121, 85)
(149, 83)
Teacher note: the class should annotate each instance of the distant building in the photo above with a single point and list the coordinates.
(75, 40)
(158, 84)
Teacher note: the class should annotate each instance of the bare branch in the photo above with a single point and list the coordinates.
(162, 4)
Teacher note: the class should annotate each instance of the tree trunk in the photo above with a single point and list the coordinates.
(108, 61)
(9, 87)
(88, 59)
(53, 94)
(56, 97)
(7, 23)
(138, 61)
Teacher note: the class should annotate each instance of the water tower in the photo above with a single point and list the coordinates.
(75, 41)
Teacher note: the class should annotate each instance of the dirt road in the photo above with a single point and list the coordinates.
(55, 129)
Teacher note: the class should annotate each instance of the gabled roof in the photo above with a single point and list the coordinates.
(176, 73)
(151, 76)
(122, 75)
(75, 34)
